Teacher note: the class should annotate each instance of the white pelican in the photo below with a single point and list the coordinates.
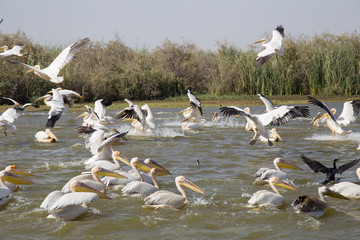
(69, 96)
(313, 206)
(269, 106)
(150, 120)
(348, 115)
(273, 136)
(100, 109)
(12, 52)
(272, 47)
(68, 206)
(163, 198)
(92, 178)
(5, 191)
(7, 126)
(348, 189)
(330, 172)
(331, 122)
(193, 112)
(264, 174)
(92, 119)
(57, 107)
(46, 136)
(189, 126)
(13, 169)
(52, 71)
(275, 117)
(264, 198)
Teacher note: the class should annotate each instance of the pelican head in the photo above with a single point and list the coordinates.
(84, 114)
(78, 186)
(247, 110)
(333, 110)
(181, 180)
(15, 170)
(5, 48)
(277, 182)
(97, 170)
(118, 156)
(281, 163)
(140, 164)
(215, 118)
(45, 97)
(51, 134)
(275, 135)
(315, 120)
(15, 179)
(162, 171)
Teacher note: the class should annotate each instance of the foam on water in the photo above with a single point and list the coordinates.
(355, 136)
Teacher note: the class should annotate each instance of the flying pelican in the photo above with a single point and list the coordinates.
(269, 106)
(7, 126)
(12, 52)
(68, 206)
(264, 174)
(264, 198)
(330, 121)
(92, 179)
(46, 136)
(272, 47)
(348, 115)
(194, 112)
(330, 172)
(5, 191)
(92, 119)
(52, 71)
(57, 107)
(348, 189)
(313, 206)
(275, 117)
(69, 96)
(163, 198)
(100, 109)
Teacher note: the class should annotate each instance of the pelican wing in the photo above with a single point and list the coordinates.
(100, 107)
(137, 187)
(346, 166)
(41, 135)
(266, 198)
(268, 104)
(94, 141)
(65, 56)
(11, 114)
(283, 114)
(233, 111)
(349, 113)
(74, 198)
(314, 165)
(194, 101)
(12, 100)
(319, 103)
(163, 197)
(51, 199)
(111, 139)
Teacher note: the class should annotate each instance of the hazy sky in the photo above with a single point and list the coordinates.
(148, 23)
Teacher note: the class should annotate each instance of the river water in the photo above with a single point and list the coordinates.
(226, 173)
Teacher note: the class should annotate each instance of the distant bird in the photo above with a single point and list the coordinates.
(52, 71)
(330, 172)
(57, 107)
(15, 51)
(272, 47)
(349, 113)
(331, 122)
(313, 206)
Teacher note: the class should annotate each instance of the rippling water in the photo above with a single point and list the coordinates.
(227, 166)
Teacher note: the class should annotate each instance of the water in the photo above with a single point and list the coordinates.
(227, 166)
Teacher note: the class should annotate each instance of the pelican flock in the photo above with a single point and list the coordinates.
(106, 166)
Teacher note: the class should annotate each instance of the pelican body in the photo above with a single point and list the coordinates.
(46, 136)
(348, 189)
(15, 51)
(6, 193)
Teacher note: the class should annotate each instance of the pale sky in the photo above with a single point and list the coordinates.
(148, 23)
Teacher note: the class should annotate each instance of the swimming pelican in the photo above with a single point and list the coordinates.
(313, 206)
(193, 112)
(348, 189)
(272, 47)
(348, 114)
(163, 198)
(57, 107)
(69, 96)
(265, 198)
(13, 169)
(330, 172)
(275, 117)
(5, 191)
(52, 71)
(46, 136)
(331, 122)
(68, 206)
(92, 178)
(264, 174)
(190, 126)
(100, 109)
(12, 52)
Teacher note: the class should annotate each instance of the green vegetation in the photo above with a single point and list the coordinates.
(322, 65)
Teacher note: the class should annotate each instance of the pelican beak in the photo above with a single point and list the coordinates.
(185, 120)
(15, 179)
(143, 166)
(334, 194)
(81, 187)
(284, 164)
(277, 136)
(51, 135)
(40, 98)
(20, 171)
(315, 118)
(29, 71)
(129, 120)
(161, 170)
(260, 41)
(3, 47)
(109, 173)
(82, 115)
(123, 159)
(286, 185)
(192, 186)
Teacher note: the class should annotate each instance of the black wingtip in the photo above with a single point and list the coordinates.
(280, 29)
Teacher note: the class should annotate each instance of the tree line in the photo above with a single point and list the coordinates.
(324, 64)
